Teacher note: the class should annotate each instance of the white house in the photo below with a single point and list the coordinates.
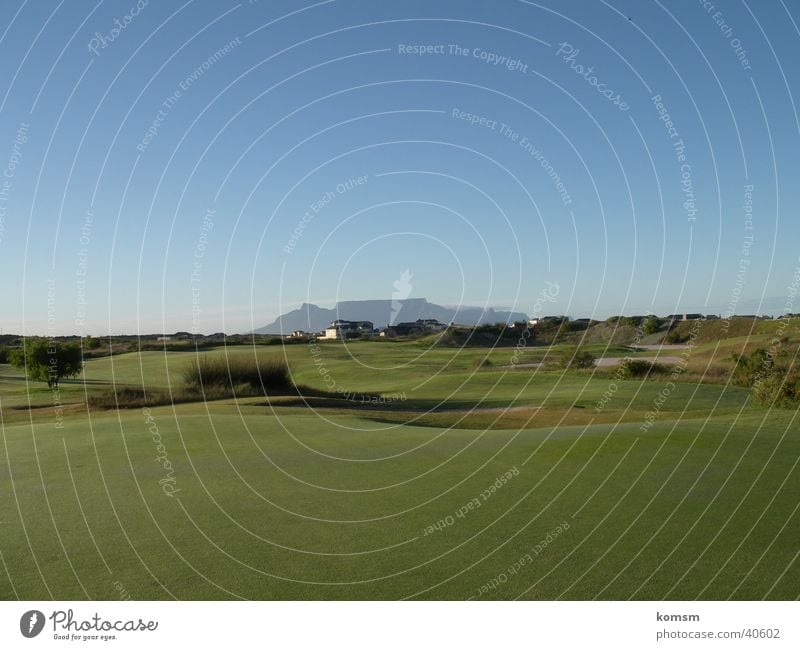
(348, 329)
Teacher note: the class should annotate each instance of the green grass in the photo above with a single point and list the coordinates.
(275, 499)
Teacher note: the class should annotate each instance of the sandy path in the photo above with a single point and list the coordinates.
(662, 348)
(614, 361)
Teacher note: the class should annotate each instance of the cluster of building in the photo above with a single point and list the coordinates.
(355, 329)
(672, 317)
(714, 316)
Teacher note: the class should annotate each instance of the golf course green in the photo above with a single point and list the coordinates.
(397, 470)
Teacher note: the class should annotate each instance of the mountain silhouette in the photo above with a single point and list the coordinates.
(311, 318)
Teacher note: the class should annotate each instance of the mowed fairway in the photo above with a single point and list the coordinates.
(487, 484)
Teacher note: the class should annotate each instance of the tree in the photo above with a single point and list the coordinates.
(92, 343)
(48, 360)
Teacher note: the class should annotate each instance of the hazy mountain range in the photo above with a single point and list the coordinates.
(381, 313)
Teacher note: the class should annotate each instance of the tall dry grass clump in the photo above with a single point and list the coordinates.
(235, 375)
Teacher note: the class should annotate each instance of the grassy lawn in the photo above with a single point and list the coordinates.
(277, 499)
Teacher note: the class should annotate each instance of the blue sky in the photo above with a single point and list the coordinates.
(208, 165)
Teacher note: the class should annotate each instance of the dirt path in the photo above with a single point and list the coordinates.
(614, 361)
(662, 348)
(522, 365)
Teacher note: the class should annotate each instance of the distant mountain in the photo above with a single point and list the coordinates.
(311, 318)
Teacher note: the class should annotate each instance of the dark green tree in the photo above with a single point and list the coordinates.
(48, 360)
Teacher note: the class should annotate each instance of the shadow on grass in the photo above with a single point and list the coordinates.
(123, 397)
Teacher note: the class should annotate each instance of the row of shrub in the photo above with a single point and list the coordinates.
(132, 397)
(632, 368)
(206, 378)
(774, 378)
(641, 368)
(649, 324)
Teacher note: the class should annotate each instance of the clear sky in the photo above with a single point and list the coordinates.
(207, 165)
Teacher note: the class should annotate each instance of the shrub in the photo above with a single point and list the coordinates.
(91, 343)
(220, 376)
(577, 358)
(749, 369)
(128, 397)
(675, 337)
(4, 354)
(575, 326)
(485, 362)
(780, 388)
(775, 381)
(651, 325)
(643, 368)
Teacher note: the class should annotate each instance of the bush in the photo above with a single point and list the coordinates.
(485, 362)
(780, 388)
(221, 376)
(577, 358)
(575, 326)
(774, 381)
(643, 368)
(5, 354)
(651, 325)
(749, 369)
(675, 337)
(91, 343)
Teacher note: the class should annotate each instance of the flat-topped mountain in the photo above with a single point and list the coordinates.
(381, 313)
